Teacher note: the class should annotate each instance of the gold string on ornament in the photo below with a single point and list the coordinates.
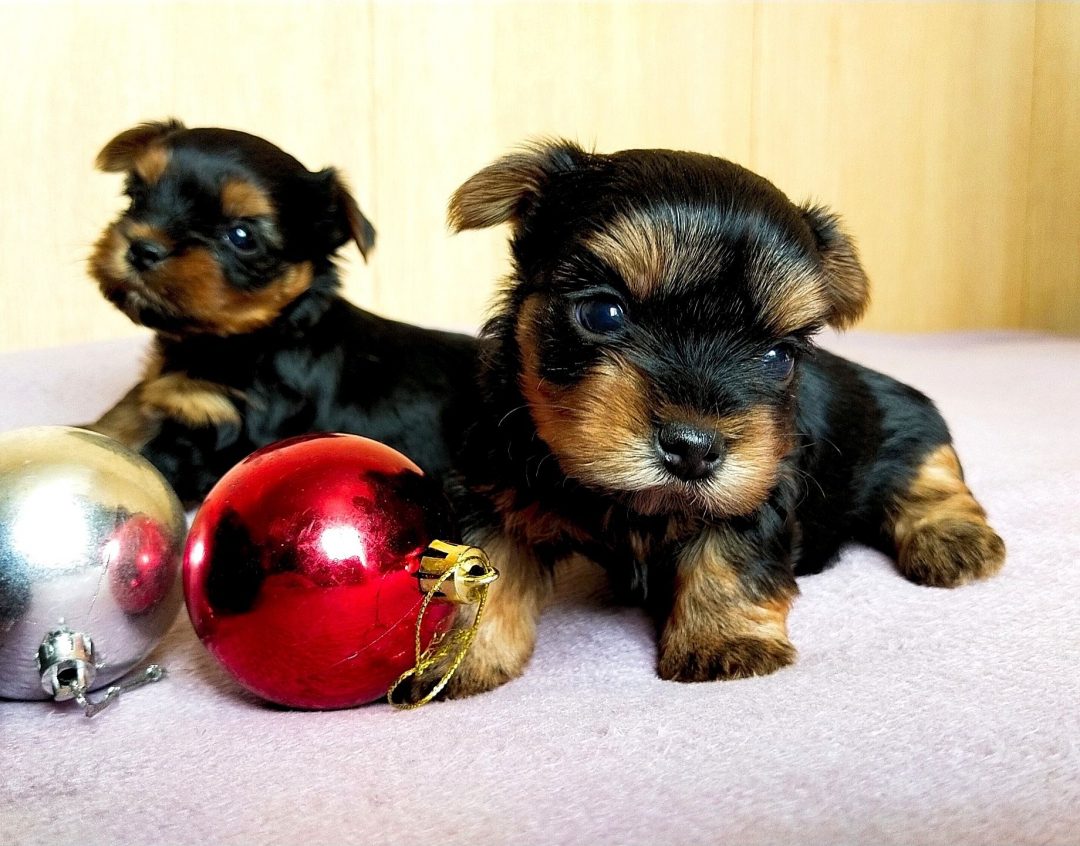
(458, 574)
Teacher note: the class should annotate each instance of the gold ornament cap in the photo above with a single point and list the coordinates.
(449, 572)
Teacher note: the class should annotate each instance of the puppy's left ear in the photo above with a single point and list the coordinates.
(848, 287)
(508, 189)
(122, 151)
(344, 220)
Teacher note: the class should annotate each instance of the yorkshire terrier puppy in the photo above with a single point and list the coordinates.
(653, 400)
(227, 252)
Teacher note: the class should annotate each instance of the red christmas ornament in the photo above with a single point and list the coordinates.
(302, 571)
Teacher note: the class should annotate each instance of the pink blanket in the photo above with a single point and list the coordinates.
(913, 715)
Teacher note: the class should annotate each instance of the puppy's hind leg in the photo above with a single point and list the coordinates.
(940, 531)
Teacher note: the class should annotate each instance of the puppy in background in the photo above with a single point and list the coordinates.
(653, 399)
(227, 252)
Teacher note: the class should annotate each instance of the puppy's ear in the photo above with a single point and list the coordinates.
(345, 221)
(508, 189)
(119, 154)
(848, 287)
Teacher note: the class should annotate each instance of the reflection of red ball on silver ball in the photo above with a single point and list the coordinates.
(138, 577)
(299, 571)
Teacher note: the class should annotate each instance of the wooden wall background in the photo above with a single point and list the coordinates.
(948, 134)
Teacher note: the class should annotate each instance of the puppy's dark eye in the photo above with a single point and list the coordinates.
(601, 316)
(778, 363)
(241, 236)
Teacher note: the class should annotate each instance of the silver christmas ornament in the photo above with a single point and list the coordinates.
(90, 543)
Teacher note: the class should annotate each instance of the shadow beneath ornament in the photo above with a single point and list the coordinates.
(184, 658)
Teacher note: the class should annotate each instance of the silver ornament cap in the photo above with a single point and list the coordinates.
(90, 542)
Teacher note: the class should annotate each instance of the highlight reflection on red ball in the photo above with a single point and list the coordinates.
(299, 571)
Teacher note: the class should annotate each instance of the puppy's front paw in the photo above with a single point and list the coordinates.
(732, 657)
(471, 680)
(192, 402)
(951, 552)
(489, 665)
(127, 422)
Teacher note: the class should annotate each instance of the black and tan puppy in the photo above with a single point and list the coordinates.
(653, 400)
(227, 253)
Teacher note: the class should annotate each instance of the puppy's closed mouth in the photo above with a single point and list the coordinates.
(672, 497)
(141, 306)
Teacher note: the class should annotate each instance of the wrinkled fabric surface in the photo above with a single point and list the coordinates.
(913, 715)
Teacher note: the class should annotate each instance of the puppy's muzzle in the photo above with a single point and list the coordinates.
(687, 452)
(143, 254)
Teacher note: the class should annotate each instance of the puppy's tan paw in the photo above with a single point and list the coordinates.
(193, 402)
(733, 657)
(940, 530)
(127, 422)
(488, 666)
(473, 680)
(951, 552)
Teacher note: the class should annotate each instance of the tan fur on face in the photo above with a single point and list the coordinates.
(756, 443)
(662, 247)
(507, 634)
(790, 296)
(600, 430)
(195, 283)
(134, 231)
(716, 628)
(941, 533)
(107, 262)
(191, 286)
(240, 198)
(667, 248)
(117, 280)
(609, 403)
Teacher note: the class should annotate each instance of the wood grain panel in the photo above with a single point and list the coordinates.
(456, 87)
(1053, 221)
(912, 121)
(946, 133)
(77, 73)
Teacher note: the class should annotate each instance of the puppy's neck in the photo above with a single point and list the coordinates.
(308, 309)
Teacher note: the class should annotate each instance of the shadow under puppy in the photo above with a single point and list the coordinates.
(654, 401)
(227, 253)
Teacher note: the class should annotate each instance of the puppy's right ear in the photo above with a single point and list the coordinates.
(847, 287)
(119, 155)
(344, 220)
(507, 189)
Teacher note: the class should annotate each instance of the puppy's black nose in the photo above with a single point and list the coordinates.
(689, 452)
(143, 254)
